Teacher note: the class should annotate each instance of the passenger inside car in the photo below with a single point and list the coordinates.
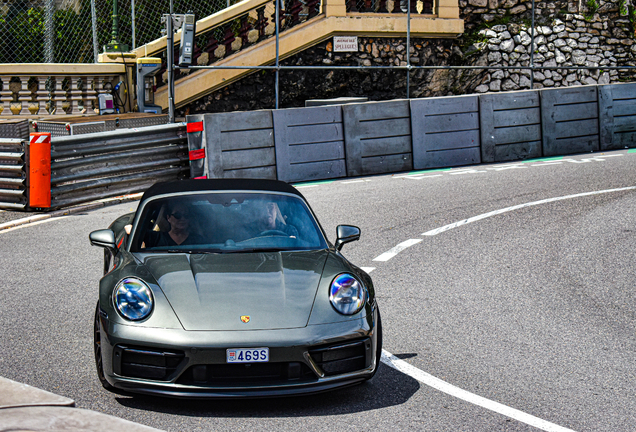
(180, 228)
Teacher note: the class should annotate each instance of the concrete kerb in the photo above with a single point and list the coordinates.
(72, 210)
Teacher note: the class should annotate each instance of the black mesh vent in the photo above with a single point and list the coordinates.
(230, 374)
(147, 363)
(342, 358)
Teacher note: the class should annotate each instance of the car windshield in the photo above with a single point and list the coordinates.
(227, 223)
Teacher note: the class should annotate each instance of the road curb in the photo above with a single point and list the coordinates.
(72, 210)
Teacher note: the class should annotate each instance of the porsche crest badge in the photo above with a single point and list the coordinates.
(245, 318)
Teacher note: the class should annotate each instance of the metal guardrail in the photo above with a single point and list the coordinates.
(101, 165)
(12, 174)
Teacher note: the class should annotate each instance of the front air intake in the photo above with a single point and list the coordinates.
(342, 358)
(146, 363)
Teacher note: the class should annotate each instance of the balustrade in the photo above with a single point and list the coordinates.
(56, 95)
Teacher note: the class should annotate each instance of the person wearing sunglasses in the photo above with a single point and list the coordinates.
(181, 230)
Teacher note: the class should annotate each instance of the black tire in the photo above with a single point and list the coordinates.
(378, 350)
(97, 348)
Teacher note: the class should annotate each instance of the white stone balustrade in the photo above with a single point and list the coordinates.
(55, 89)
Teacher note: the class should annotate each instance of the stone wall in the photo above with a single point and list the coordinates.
(598, 33)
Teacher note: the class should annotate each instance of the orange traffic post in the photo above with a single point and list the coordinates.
(40, 170)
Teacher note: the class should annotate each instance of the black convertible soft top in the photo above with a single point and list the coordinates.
(203, 185)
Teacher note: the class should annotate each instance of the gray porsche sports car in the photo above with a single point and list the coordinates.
(230, 288)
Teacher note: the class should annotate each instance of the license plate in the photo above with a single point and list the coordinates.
(247, 355)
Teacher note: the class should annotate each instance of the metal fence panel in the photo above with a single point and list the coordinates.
(13, 193)
(377, 137)
(309, 143)
(617, 116)
(569, 118)
(445, 132)
(95, 166)
(510, 126)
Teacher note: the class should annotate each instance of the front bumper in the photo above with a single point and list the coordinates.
(199, 359)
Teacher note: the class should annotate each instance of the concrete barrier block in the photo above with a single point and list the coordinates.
(510, 125)
(445, 131)
(569, 118)
(377, 137)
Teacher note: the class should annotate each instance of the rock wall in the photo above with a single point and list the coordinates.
(598, 35)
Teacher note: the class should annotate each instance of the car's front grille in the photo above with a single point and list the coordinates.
(230, 374)
(136, 362)
(342, 358)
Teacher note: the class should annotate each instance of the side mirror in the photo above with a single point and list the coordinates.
(346, 234)
(104, 238)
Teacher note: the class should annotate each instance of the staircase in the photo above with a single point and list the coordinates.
(244, 35)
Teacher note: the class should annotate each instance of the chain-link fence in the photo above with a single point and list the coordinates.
(75, 31)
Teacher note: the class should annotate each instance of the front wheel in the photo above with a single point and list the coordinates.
(97, 347)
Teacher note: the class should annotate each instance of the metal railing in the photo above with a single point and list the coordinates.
(96, 166)
(12, 174)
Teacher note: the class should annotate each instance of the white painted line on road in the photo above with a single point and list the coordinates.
(396, 250)
(508, 167)
(431, 381)
(308, 186)
(469, 171)
(355, 181)
(423, 177)
(517, 207)
(367, 269)
(546, 163)
(32, 224)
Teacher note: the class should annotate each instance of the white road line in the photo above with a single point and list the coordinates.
(308, 186)
(367, 269)
(546, 163)
(355, 181)
(431, 381)
(517, 207)
(33, 223)
(507, 167)
(423, 177)
(470, 171)
(396, 250)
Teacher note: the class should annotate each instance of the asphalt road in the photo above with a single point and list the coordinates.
(533, 308)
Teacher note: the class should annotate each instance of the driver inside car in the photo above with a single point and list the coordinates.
(274, 221)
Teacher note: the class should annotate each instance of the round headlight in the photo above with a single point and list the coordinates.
(133, 299)
(347, 295)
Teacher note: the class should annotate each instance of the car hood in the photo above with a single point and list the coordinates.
(276, 290)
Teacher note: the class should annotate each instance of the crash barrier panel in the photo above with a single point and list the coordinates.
(569, 119)
(445, 131)
(510, 126)
(78, 125)
(400, 135)
(13, 193)
(377, 137)
(39, 177)
(238, 145)
(617, 116)
(309, 143)
(14, 128)
(304, 144)
(96, 166)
